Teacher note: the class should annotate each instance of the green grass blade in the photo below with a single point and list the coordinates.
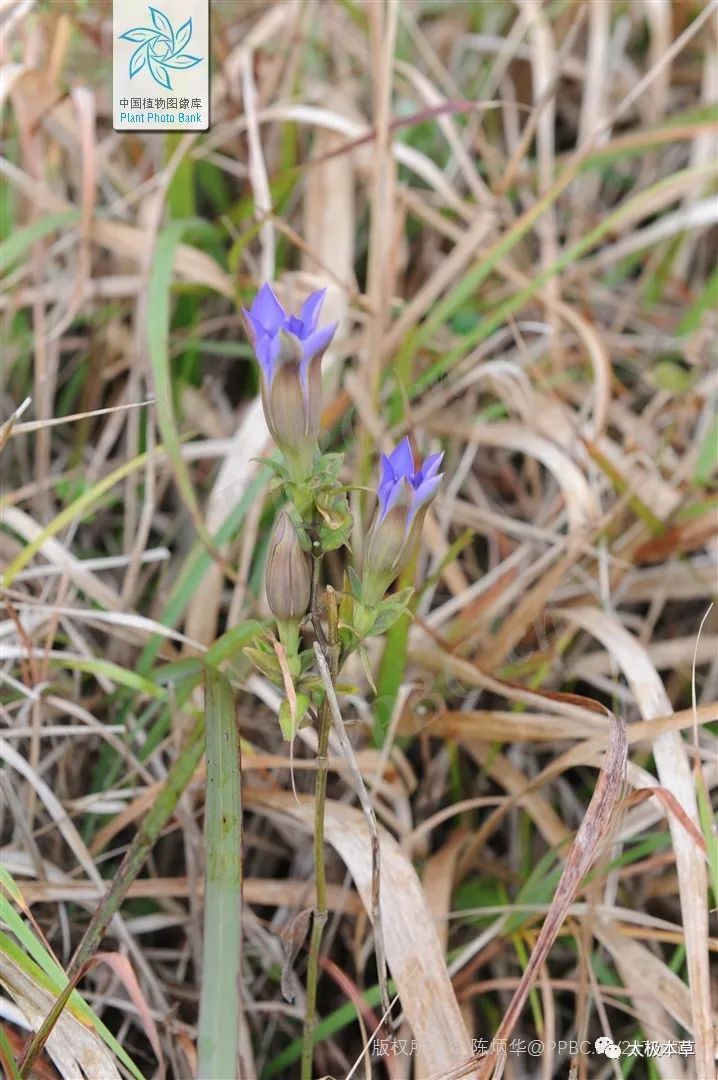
(43, 969)
(149, 831)
(476, 275)
(391, 673)
(217, 1040)
(343, 1016)
(74, 512)
(708, 827)
(7, 1060)
(158, 330)
(21, 240)
(196, 565)
(707, 460)
(120, 675)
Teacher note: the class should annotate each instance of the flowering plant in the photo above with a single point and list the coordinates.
(316, 519)
(289, 349)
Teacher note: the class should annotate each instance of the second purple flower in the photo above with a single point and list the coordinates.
(404, 495)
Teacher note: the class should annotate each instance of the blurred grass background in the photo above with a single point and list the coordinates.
(514, 209)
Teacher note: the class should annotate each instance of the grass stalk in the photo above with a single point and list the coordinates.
(219, 1009)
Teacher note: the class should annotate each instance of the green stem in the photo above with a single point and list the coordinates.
(320, 795)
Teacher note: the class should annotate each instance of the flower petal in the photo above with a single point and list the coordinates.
(317, 342)
(310, 311)
(267, 310)
(425, 493)
(254, 324)
(402, 459)
(267, 350)
(388, 476)
(429, 468)
(400, 493)
(387, 480)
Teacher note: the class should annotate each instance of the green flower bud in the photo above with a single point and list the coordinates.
(287, 577)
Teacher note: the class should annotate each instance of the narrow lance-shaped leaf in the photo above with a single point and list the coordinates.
(140, 33)
(163, 25)
(183, 35)
(138, 60)
(159, 73)
(182, 62)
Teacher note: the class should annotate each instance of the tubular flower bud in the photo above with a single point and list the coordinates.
(287, 577)
(404, 494)
(289, 349)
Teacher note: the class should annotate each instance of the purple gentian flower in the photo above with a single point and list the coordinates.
(404, 494)
(289, 349)
(399, 467)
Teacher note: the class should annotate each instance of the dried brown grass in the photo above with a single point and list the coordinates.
(430, 165)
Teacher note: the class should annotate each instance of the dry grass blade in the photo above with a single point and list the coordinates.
(12, 423)
(413, 951)
(511, 206)
(582, 854)
(674, 774)
(70, 1044)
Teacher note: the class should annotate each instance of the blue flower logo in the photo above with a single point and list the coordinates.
(161, 48)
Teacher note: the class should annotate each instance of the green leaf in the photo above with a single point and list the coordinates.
(265, 662)
(178, 671)
(363, 619)
(117, 673)
(671, 376)
(54, 978)
(707, 460)
(337, 522)
(708, 826)
(6, 1058)
(354, 582)
(21, 240)
(390, 610)
(219, 1008)
(158, 331)
(706, 301)
(275, 467)
(327, 470)
(391, 674)
(232, 642)
(289, 727)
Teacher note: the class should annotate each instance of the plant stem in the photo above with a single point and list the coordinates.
(320, 794)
